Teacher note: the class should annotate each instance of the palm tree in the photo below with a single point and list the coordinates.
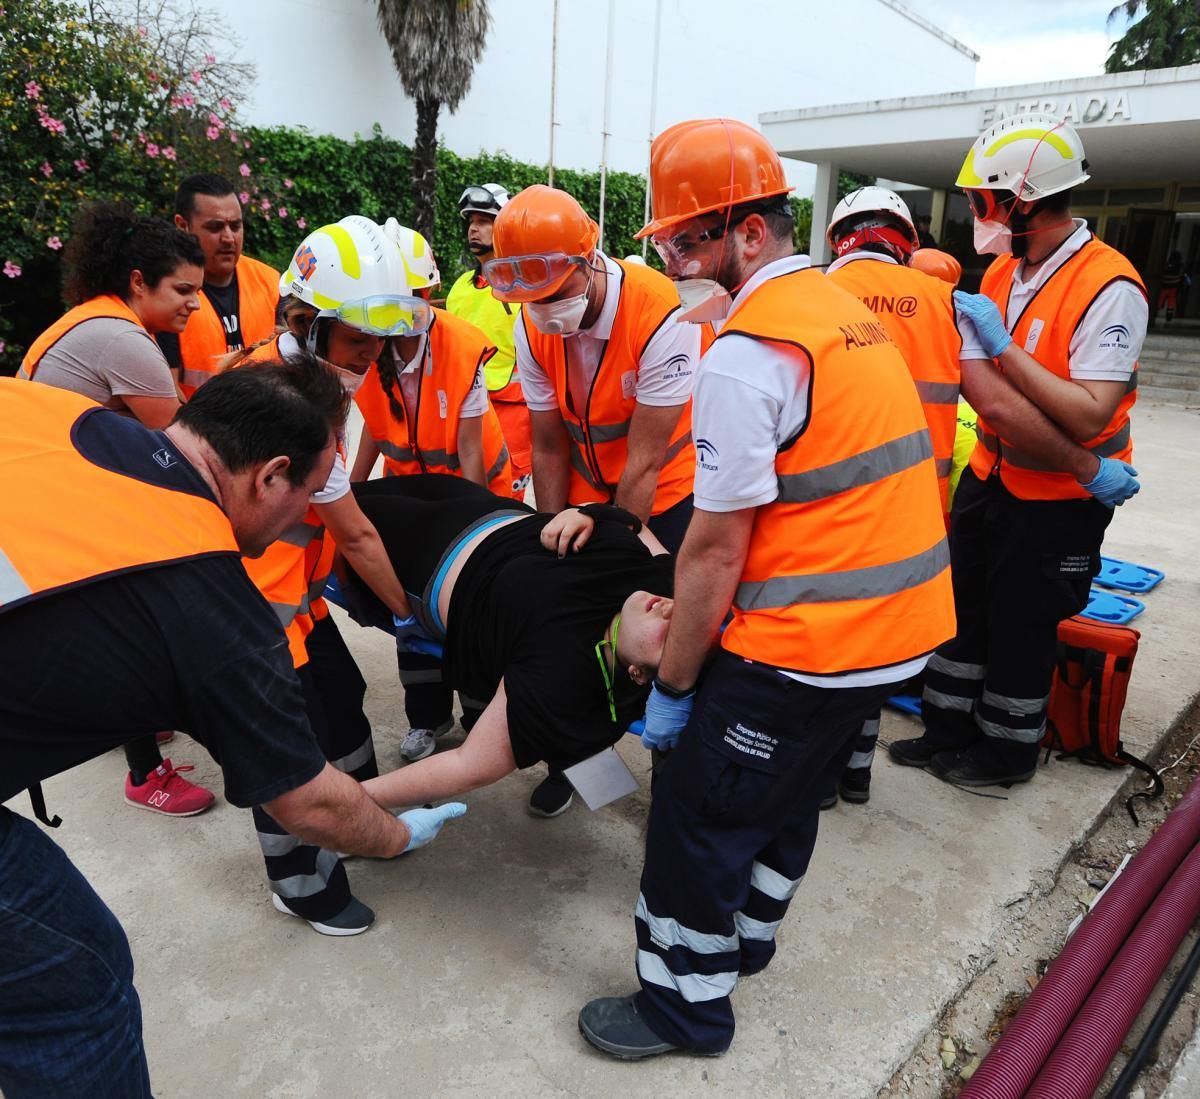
(1166, 35)
(435, 45)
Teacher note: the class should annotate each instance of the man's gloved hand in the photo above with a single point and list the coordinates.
(1114, 483)
(665, 718)
(981, 311)
(425, 824)
(412, 638)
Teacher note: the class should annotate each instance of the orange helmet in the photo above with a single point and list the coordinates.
(709, 164)
(535, 236)
(939, 264)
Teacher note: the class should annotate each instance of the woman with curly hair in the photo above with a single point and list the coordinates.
(128, 277)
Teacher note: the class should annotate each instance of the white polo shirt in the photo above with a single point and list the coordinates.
(665, 373)
(338, 484)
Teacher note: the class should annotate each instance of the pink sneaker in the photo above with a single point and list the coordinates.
(165, 737)
(164, 791)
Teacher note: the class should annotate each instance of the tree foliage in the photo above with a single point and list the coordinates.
(1166, 34)
(435, 45)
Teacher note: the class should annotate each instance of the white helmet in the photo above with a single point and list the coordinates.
(871, 200)
(349, 261)
(1031, 156)
(484, 198)
(419, 263)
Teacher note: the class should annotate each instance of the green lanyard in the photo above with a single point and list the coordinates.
(608, 676)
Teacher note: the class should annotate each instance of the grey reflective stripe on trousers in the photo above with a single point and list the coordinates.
(12, 584)
(667, 933)
(273, 845)
(1114, 444)
(352, 761)
(693, 987)
(600, 433)
(1007, 732)
(1018, 707)
(194, 378)
(857, 470)
(497, 465)
(773, 883)
(938, 392)
(956, 668)
(838, 587)
(758, 930)
(307, 885)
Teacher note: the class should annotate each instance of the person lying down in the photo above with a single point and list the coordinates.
(559, 620)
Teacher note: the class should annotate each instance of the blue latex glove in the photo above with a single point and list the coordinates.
(412, 638)
(665, 719)
(982, 312)
(1114, 483)
(425, 824)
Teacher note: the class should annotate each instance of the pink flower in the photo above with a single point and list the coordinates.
(244, 197)
(187, 99)
(214, 120)
(33, 90)
(142, 32)
(282, 211)
(151, 150)
(152, 77)
(12, 270)
(209, 59)
(265, 204)
(175, 102)
(196, 77)
(224, 103)
(81, 165)
(141, 139)
(3, 345)
(169, 152)
(244, 169)
(54, 243)
(288, 184)
(301, 223)
(213, 133)
(233, 138)
(48, 123)
(46, 169)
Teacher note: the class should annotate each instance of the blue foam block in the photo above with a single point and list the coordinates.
(1116, 610)
(1126, 576)
(906, 704)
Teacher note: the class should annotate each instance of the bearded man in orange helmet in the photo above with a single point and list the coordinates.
(607, 370)
(810, 441)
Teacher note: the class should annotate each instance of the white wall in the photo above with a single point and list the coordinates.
(322, 64)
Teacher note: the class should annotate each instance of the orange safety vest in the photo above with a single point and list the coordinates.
(68, 521)
(848, 569)
(103, 305)
(454, 353)
(918, 313)
(202, 342)
(1044, 329)
(599, 432)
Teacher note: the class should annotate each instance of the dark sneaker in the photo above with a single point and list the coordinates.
(613, 1025)
(552, 796)
(855, 785)
(964, 768)
(354, 919)
(917, 752)
(828, 801)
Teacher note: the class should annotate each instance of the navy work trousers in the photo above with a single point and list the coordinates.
(732, 826)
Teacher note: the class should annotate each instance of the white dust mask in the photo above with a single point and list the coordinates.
(558, 318)
(703, 300)
(992, 238)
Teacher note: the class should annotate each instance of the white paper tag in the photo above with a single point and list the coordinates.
(629, 384)
(1035, 332)
(602, 778)
(443, 404)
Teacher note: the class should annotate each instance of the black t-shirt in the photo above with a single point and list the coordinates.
(225, 300)
(191, 646)
(521, 613)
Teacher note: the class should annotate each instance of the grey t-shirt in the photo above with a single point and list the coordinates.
(106, 359)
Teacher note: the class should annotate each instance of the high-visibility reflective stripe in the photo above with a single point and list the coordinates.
(956, 668)
(301, 534)
(773, 883)
(352, 761)
(943, 466)
(695, 988)
(285, 612)
(684, 440)
(944, 701)
(307, 885)
(938, 392)
(1024, 706)
(870, 728)
(274, 846)
(762, 931)
(498, 464)
(579, 464)
(836, 587)
(413, 678)
(667, 933)
(1007, 732)
(1132, 384)
(12, 585)
(600, 433)
(440, 458)
(861, 759)
(1114, 444)
(24, 374)
(396, 453)
(316, 589)
(193, 377)
(857, 470)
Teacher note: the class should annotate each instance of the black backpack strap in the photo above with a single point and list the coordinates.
(38, 800)
(1141, 765)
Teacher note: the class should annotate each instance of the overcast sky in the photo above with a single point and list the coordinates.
(1027, 41)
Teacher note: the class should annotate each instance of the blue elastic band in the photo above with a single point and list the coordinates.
(435, 589)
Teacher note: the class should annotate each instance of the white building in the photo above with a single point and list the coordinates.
(325, 66)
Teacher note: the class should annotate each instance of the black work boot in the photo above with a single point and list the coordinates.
(855, 785)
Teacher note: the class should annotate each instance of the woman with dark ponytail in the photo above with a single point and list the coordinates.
(128, 277)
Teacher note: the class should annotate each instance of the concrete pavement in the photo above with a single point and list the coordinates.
(488, 942)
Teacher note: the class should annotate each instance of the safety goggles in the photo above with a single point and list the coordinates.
(529, 278)
(990, 205)
(478, 197)
(387, 315)
(604, 669)
(676, 249)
